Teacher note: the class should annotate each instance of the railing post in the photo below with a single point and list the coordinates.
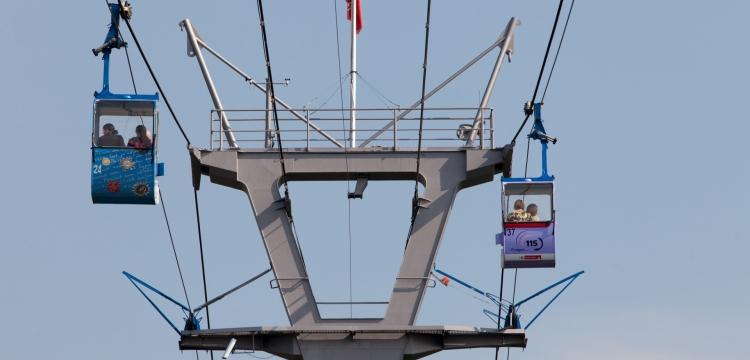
(307, 127)
(481, 131)
(269, 107)
(221, 133)
(395, 142)
(492, 128)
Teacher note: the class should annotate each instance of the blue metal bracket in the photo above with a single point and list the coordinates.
(539, 133)
(492, 297)
(191, 322)
(113, 40)
(569, 281)
(511, 320)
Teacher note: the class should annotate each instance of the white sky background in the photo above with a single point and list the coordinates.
(648, 101)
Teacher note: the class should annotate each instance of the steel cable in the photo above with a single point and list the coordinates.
(161, 198)
(187, 140)
(203, 263)
(267, 57)
(513, 142)
(541, 71)
(415, 204)
(346, 155)
(174, 249)
(559, 46)
(153, 76)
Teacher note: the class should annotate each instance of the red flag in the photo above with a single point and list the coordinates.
(359, 13)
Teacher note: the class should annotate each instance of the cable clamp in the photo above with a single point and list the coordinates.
(125, 10)
(528, 108)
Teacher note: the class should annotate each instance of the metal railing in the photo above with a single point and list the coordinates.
(307, 129)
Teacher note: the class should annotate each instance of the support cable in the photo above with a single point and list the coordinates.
(272, 94)
(130, 68)
(544, 93)
(187, 140)
(270, 89)
(327, 99)
(500, 305)
(515, 275)
(346, 155)
(174, 249)
(513, 302)
(203, 263)
(383, 99)
(267, 56)
(559, 46)
(153, 76)
(541, 72)
(161, 198)
(415, 204)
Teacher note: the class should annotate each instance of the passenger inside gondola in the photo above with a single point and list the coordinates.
(142, 138)
(111, 137)
(518, 214)
(531, 213)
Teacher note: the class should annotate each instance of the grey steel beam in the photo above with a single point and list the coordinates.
(194, 50)
(224, 294)
(444, 172)
(353, 342)
(259, 176)
(500, 40)
(506, 49)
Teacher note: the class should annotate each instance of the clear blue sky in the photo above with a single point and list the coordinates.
(647, 102)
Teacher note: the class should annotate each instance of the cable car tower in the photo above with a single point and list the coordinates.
(386, 153)
(259, 151)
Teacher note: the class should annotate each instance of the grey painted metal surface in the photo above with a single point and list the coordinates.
(195, 50)
(444, 172)
(352, 342)
(506, 49)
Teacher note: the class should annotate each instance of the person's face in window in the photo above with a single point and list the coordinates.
(532, 210)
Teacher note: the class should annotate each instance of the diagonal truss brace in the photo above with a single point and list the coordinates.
(504, 42)
(506, 49)
(194, 46)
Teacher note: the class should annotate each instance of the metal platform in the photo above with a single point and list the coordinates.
(352, 342)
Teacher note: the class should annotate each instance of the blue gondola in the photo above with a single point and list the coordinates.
(528, 235)
(123, 171)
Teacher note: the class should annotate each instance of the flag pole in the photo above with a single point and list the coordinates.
(353, 77)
